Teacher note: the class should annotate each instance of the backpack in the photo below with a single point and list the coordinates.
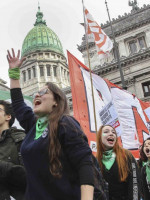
(100, 185)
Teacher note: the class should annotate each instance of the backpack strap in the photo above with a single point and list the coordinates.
(18, 136)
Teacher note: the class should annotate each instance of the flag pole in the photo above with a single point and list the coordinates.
(86, 39)
(116, 50)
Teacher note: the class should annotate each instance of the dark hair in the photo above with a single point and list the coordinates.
(142, 154)
(122, 155)
(8, 110)
(58, 111)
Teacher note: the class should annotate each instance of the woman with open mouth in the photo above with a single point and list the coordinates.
(55, 151)
(145, 172)
(118, 166)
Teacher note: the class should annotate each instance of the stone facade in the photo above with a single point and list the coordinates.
(132, 34)
(43, 67)
(3, 85)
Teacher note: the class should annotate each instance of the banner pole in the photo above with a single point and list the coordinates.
(116, 50)
(86, 39)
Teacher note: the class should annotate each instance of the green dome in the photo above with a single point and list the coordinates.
(41, 38)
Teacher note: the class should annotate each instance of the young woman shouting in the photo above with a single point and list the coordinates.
(118, 166)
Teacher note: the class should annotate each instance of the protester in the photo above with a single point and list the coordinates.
(12, 172)
(118, 166)
(55, 152)
(140, 161)
(145, 174)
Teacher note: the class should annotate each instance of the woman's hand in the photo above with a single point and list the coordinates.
(14, 61)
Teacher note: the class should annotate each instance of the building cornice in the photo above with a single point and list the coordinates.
(39, 60)
(125, 61)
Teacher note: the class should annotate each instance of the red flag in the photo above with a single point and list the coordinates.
(129, 115)
(93, 30)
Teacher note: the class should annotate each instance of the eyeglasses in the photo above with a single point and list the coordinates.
(2, 109)
(41, 92)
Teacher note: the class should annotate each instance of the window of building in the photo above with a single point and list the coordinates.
(133, 46)
(24, 76)
(29, 74)
(55, 71)
(41, 71)
(48, 70)
(65, 73)
(53, 55)
(41, 55)
(46, 55)
(137, 44)
(141, 41)
(34, 72)
(146, 88)
(68, 76)
(115, 51)
(34, 55)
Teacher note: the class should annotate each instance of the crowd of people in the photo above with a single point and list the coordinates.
(50, 159)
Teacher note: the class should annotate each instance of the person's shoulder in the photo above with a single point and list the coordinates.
(129, 156)
(67, 119)
(71, 127)
(17, 134)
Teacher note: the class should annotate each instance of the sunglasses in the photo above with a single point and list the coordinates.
(41, 92)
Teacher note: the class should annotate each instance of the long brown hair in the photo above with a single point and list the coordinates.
(122, 155)
(54, 144)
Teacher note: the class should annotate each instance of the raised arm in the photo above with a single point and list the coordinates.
(14, 68)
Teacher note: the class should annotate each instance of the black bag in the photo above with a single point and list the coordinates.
(100, 185)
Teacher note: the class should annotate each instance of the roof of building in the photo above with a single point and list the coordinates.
(128, 22)
(41, 38)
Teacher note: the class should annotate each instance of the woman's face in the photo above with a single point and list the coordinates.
(44, 102)
(146, 149)
(108, 137)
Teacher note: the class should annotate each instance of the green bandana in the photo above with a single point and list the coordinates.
(148, 171)
(41, 125)
(108, 159)
(143, 163)
(14, 73)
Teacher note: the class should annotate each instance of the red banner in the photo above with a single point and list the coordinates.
(129, 115)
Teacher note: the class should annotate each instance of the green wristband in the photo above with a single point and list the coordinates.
(14, 73)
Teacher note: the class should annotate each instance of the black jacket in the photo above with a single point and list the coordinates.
(12, 172)
(75, 157)
(127, 190)
(145, 185)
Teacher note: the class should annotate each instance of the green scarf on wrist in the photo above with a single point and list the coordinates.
(108, 159)
(14, 73)
(148, 171)
(41, 125)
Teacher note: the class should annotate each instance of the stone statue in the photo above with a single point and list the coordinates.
(134, 5)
